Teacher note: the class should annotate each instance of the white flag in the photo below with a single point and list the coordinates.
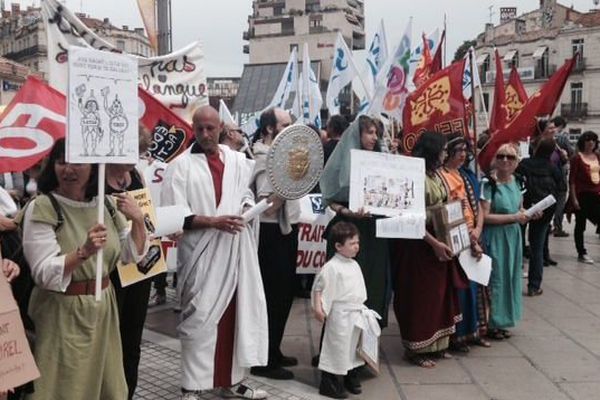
(288, 83)
(311, 92)
(376, 57)
(225, 114)
(343, 71)
(391, 88)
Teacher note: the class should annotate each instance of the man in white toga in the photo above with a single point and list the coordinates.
(223, 327)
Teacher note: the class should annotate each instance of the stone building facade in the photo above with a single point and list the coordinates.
(538, 43)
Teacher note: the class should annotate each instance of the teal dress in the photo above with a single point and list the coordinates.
(503, 245)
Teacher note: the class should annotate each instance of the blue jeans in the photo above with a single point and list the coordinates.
(538, 231)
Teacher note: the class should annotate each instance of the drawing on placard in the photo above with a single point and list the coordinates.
(117, 123)
(91, 124)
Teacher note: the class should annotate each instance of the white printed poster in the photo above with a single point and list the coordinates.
(102, 110)
(386, 184)
(312, 247)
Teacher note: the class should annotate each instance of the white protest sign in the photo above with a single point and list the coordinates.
(312, 247)
(102, 110)
(387, 184)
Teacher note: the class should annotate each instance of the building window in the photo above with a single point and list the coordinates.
(121, 45)
(278, 10)
(514, 61)
(293, 46)
(315, 23)
(543, 65)
(486, 102)
(577, 45)
(485, 68)
(576, 95)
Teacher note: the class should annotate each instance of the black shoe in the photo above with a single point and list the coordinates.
(352, 383)
(277, 373)
(549, 261)
(330, 386)
(315, 361)
(286, 361)
(560, 233)
(534, 292)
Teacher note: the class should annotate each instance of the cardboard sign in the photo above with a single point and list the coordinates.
(17, 366)
(450, 226)
(312, 247)
(153, 263)
(368, 349)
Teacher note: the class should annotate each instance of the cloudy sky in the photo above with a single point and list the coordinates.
(220, 23)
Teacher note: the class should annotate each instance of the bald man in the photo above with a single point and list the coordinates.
(224, 328)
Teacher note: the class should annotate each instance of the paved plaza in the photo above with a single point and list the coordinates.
(553, 355)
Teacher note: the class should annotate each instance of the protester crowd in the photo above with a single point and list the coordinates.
(236, 278)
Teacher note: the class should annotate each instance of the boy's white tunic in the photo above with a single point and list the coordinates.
(214, 265)
(343, 295)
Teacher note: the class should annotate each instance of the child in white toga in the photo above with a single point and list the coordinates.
(338, 297)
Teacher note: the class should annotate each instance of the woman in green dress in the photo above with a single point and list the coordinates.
(501, 204)
(77, 338)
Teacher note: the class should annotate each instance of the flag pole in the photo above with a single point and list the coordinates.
(474, 113)
(445, 41)
(99, 254)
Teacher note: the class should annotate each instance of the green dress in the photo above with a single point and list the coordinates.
(77, 346)
(503, 245)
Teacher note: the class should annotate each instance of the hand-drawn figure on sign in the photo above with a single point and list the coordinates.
(91, 125)
(117, 123)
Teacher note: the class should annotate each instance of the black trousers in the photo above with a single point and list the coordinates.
(133, 305)
(589, 209)
(277, 258)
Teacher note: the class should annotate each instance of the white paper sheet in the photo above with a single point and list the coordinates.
(255, 211)
(169, 220)
(386, 184)
(477, 271)
(540, 206)
(405, 226)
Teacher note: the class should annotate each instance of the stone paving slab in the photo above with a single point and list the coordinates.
(554, 353)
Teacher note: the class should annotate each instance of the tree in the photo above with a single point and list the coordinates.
(463, 48)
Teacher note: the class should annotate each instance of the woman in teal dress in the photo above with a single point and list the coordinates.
(501, 204)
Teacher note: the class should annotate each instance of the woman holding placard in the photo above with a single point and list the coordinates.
(373, 258)
(427, 275)
(501, 204)
(461, 188)
(77, 337)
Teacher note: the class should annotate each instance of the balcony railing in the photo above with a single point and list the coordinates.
(574, 110)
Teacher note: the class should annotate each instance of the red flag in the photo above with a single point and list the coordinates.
(423, 70)
(170, 134)
(438, 105)
(524, 123)
(498, 118)
(515, 93)
(437, 63)
(31, 123)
